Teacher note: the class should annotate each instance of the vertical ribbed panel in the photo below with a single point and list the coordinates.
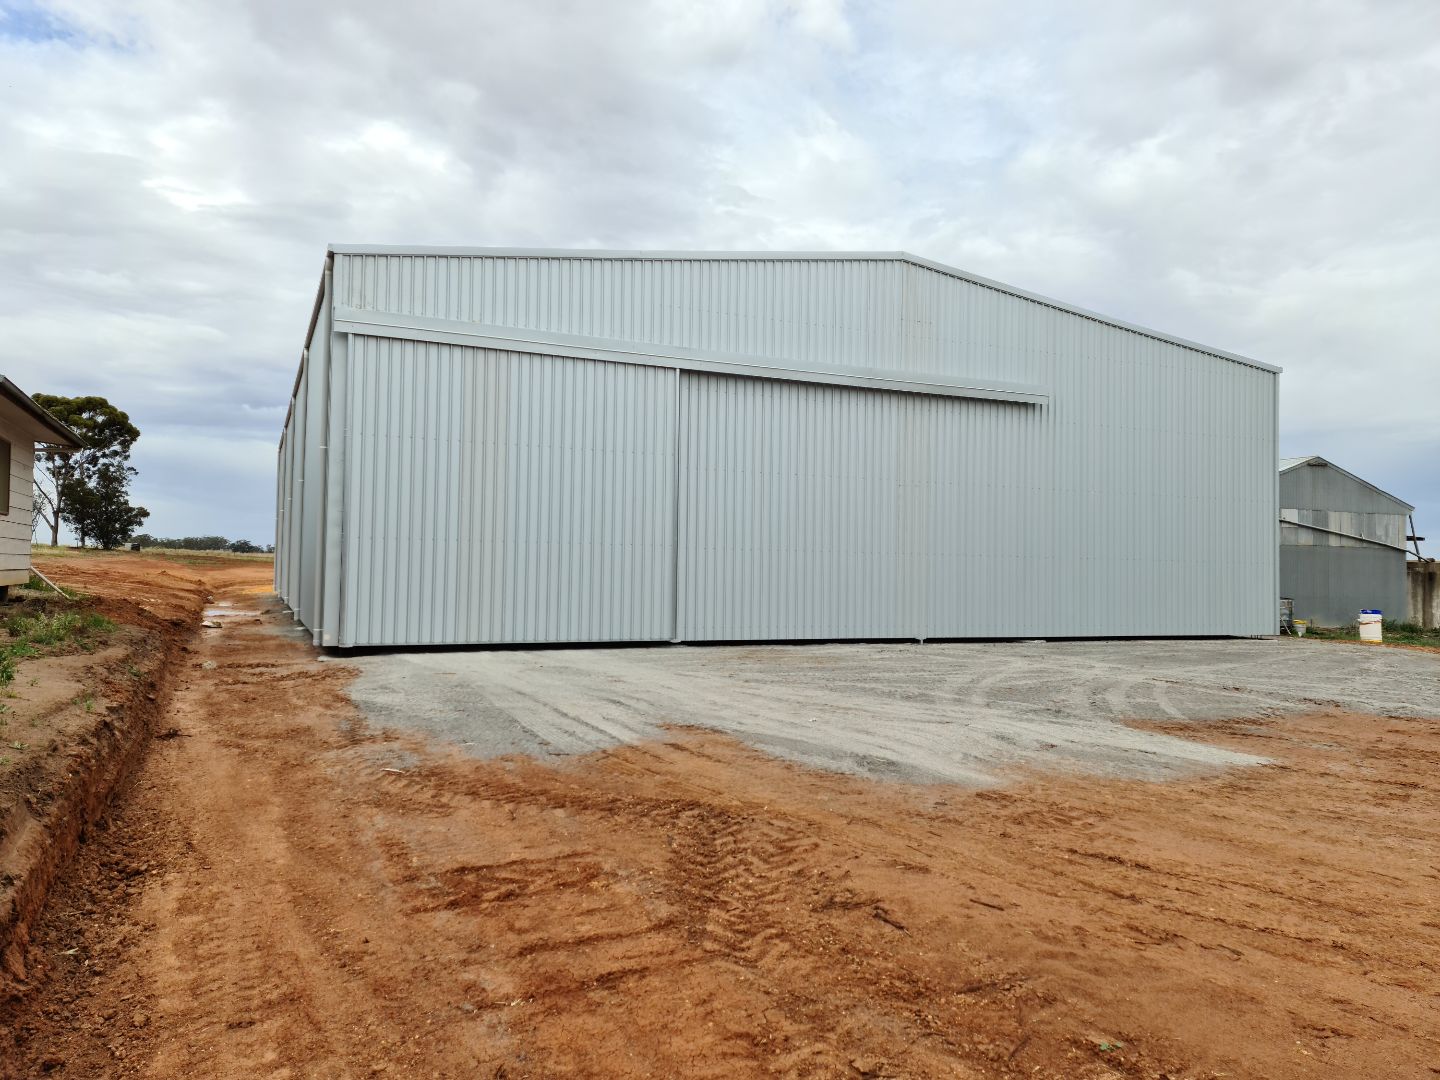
(494, 496)
(821, 309)
(279, 510)
(1163, 502)
(1140, 503)
(331, 562)
(790, 511)
(1323, 487)
(1332, 585)
(501, 497)
(308, 593)
(1328, 571)
(295, 547)
(282, 506)
(811, 511)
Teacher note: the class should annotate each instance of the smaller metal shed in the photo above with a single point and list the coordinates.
(1342, 543)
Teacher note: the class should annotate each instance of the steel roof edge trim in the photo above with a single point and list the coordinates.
(514, 339)
(836, 256)
(1295, 463)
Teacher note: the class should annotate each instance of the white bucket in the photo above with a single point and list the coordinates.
(1369, 625)
(1300, 626)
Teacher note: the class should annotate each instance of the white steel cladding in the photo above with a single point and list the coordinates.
(568, 446)
(504, 497)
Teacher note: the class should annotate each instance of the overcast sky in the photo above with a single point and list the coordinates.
(1264, 178)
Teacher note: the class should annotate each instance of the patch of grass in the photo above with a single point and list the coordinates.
(31, 632)
(46, 629)
(1395, 632)
(37, 584)
(189, 556)
(208, 558)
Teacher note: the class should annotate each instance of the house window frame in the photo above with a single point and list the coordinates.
(7, 462)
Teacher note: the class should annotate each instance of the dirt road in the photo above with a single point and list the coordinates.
(285, 893)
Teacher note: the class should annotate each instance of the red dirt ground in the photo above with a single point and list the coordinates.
(284, 892)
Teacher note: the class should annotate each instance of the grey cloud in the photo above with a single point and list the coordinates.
(1262, 179)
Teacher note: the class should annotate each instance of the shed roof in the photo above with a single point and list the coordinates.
(48, 430)
(1286, 464)
(837, 256)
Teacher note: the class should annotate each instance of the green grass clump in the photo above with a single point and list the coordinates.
(1394, 632)
(29, 633)
(58, 628)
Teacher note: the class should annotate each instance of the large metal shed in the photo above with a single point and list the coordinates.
(519, 446)
(1342, 544)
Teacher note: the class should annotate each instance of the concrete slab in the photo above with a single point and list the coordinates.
(960, 713)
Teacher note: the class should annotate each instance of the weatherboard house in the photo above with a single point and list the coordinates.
(23, 426)
(515, 445)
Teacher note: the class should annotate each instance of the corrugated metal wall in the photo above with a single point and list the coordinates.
(1332, 585)
(820, 511)
(301, 495)
(504, 497)
(822, 310)
(815, 511)
(1341, 546)
(508, 496)
(1340, 528)
(1323, 487)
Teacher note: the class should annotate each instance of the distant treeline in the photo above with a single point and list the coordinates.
(199, 543)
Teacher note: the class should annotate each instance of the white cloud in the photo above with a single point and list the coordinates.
(1264, 179)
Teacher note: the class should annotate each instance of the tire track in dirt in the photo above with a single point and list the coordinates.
(739, 874)
(747, 900)
(333, 901)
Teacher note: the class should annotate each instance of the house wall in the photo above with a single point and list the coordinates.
(15, 526)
